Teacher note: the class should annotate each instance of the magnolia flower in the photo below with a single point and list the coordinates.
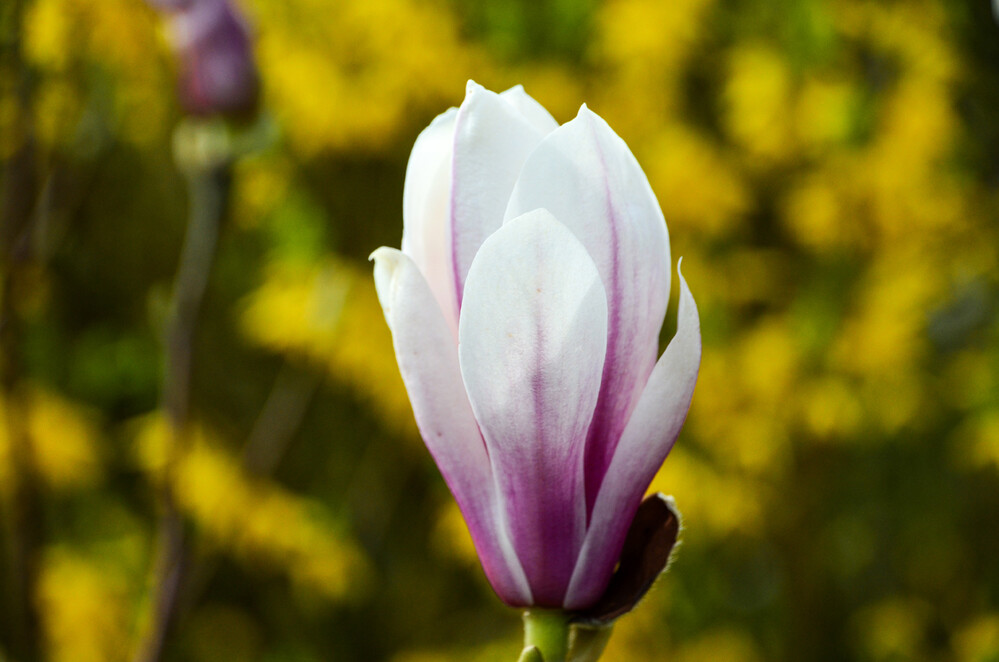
(525, 308)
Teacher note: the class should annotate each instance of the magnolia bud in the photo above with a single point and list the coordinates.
(525, 308)
(211, 39)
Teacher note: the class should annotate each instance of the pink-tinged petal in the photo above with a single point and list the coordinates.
(647, 439)
(532, 336)
(586, 176)
(530, 109)
(428, 361)
(491, 141)
(425, 198)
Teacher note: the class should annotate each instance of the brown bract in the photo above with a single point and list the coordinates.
(645, 555)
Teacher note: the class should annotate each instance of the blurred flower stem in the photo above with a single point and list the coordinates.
(218, 81)
(22, 513)
(201, 151)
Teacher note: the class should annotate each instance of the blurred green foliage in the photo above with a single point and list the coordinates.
(828, 170)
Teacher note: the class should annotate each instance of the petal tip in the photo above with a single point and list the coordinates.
(387, 261)
(685, 292)
(586, 112)
(592, 121)
(471, 88)
(446, 116)
(383, 253)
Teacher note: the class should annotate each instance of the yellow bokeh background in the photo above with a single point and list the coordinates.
(828, 170)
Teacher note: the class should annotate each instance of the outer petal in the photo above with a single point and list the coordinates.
(646, 441)
(491, 141)
(428, 361)
(425, 210)
(587, 177)
(532, 334)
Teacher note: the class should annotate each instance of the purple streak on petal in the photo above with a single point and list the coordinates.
(606, 427)
(428, 360)
(532, 336)
(585, 175)
(645, 443)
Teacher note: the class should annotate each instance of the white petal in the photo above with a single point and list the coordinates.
(646, 441)
(586, 176)
(530, 109)
(532, 336)
(425, 236)
(492, 139)
(428, 361)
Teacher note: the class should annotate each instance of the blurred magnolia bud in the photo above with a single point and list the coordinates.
(217, 75)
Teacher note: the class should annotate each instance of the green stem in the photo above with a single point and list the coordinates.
(587, 643)
(548, 631)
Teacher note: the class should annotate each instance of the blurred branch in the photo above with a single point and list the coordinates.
(209, 187)
(67, 185)
(24, 513)
(20, 181)
(19, 187)
(279, 418)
